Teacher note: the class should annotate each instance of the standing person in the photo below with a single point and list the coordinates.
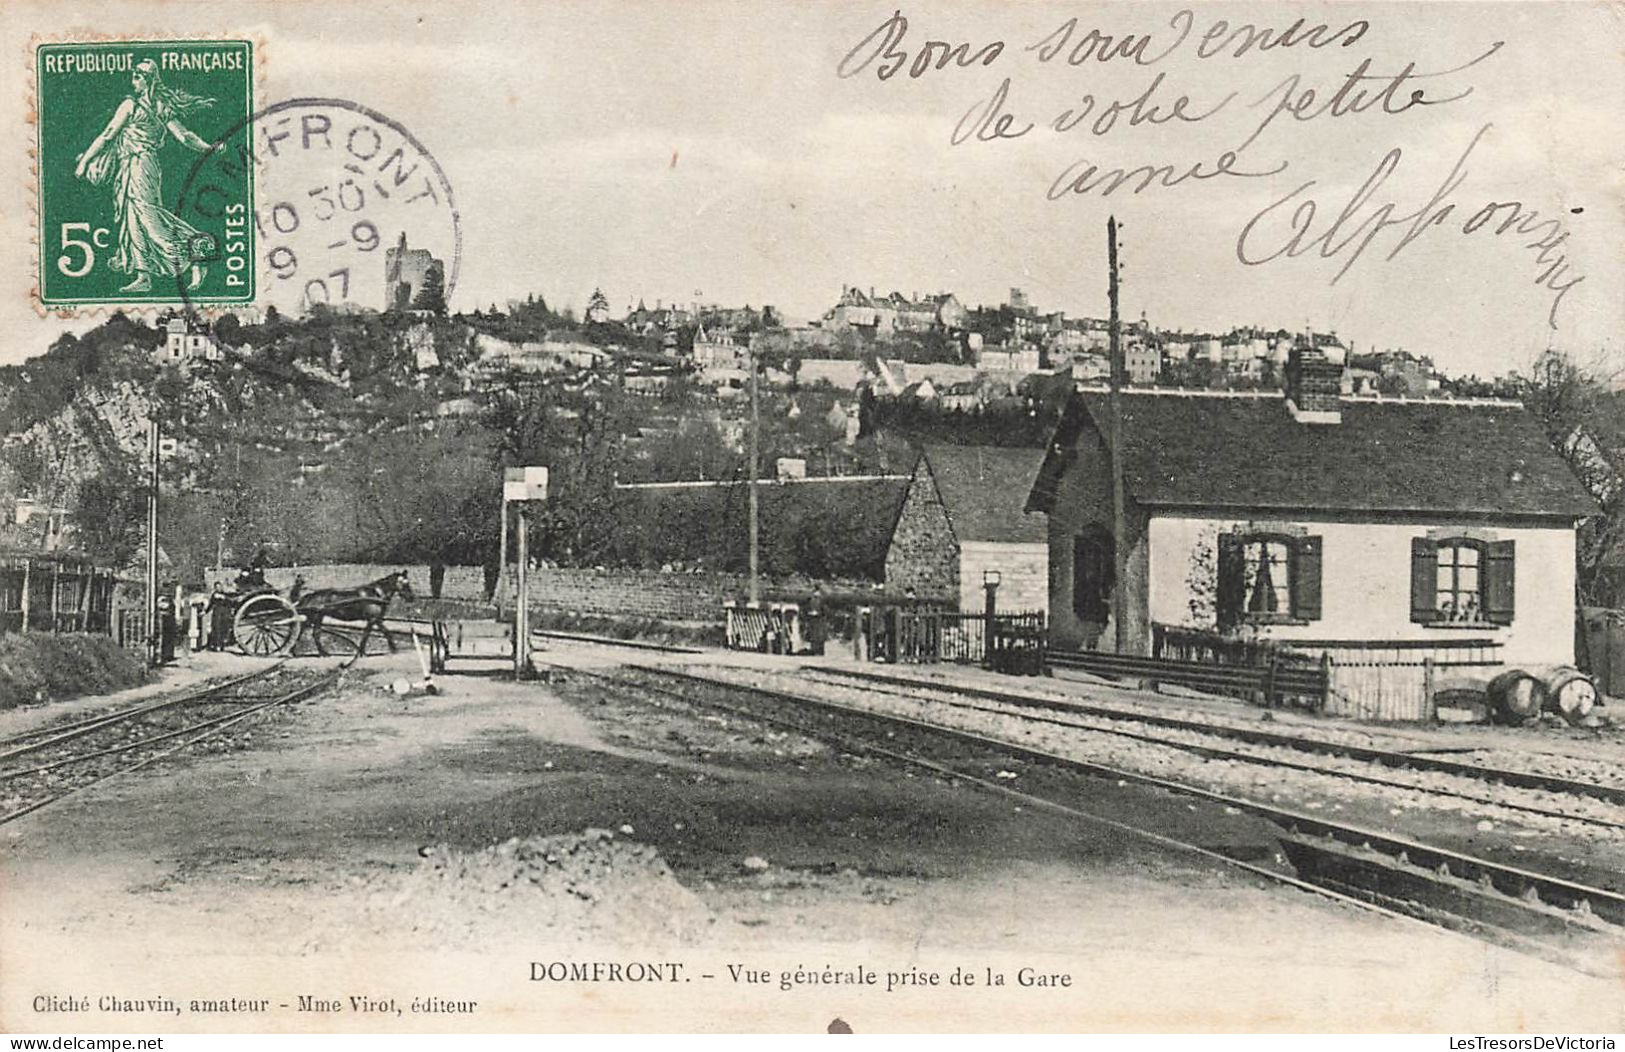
(166, 627)
(152, 240)
(220, 611)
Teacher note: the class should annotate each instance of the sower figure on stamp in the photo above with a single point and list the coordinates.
(152, 240)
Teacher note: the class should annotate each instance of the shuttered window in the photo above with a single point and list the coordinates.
(1266, 578)
(1462, 581)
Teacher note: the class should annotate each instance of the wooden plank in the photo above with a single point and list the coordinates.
(1287, 680)
(1153, 666)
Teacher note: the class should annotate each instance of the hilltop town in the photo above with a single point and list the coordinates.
(328, 436)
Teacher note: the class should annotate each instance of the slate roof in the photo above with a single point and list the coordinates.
(821, 528)
(1483, 459)
(984, 489)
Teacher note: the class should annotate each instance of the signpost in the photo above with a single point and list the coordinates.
(521, 486)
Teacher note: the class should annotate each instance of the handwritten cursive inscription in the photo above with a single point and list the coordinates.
(1084, 177)
(1356, 225)
(1325, 87)
(882, 44)
(1352, 97)
(882, 48)
(1139, 109)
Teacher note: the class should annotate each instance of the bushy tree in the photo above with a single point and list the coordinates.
(1585, 421)
(111, 514)
(432, 295)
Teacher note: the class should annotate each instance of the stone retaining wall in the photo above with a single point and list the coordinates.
(601, 593)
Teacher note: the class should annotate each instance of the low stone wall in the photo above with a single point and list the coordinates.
(462, 582)
(665, 596)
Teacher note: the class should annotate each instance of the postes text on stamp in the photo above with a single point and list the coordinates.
(119, 124)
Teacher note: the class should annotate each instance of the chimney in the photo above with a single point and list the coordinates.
(1314, 386)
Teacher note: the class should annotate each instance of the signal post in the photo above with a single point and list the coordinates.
(522, 487)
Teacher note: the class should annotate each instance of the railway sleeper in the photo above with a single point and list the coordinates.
(1367, 873)
(1552, 891)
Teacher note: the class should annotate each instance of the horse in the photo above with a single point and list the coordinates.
(367, 603)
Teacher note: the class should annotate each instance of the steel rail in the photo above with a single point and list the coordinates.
(1386, 757)
(1513, 881)
(67, 732)
(1370, 899)
(218, 726)
(1215, 753)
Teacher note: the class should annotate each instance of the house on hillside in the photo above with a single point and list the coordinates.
(1021, 358)
(1142, 363)
(184, 342)
(962, 518)
(967, 396)
(1316, 520)
(885, 314)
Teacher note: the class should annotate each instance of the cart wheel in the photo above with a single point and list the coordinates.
(265, 625)
(334, 641)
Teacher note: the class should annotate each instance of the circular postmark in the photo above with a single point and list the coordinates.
(348, 209)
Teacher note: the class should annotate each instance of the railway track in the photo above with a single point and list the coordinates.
(632, 644)
(51, 763)
(1540, 913)
(1388, 758)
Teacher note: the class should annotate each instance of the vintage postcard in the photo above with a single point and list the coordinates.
(617, 516)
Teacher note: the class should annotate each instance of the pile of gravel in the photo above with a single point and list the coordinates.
(587, 885)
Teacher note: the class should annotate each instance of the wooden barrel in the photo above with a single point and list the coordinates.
(1570, 693)
(1515, 696)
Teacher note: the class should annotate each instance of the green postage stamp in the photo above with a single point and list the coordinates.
(121, 128)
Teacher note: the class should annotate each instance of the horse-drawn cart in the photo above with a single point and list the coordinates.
(268, 624)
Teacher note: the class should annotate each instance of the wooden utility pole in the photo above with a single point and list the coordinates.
(500, 589)
(153, 641)
(755, 510)
(521, 612)
(1119, 512)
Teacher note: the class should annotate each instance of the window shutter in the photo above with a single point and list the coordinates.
(1499, 573)
(1232, 581)
(1424, 580)
(1306, 579)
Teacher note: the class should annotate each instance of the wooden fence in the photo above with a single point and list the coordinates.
(1602, 648)
(913, 634)
(54, 593)
(1273, 684)
(1364, 679)
(1398, 679)
(130, 629)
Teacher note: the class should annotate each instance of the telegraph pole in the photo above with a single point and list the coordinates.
(755, 510)
(521, 613)
(500, 589)
(1119, 513)
(152, 543)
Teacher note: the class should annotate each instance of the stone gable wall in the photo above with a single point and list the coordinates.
(923, 553)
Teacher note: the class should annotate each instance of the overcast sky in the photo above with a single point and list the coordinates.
(664, 150)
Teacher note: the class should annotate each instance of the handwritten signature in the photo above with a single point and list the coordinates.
(1353, 228)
